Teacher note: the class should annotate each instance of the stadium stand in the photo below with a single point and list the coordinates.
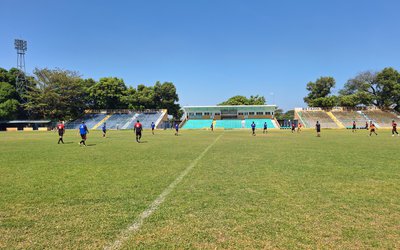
(228, 124)
(381, 118)
(148, 117)
(310, 118)
(347, 118)
(90, 119)
(197, 124)
(118, 120)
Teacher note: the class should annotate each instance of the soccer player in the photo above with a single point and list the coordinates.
(394, 128)
(138, 129)
(298, 127)
(372, 129)
(83, 131)
(366, 125)
(104, 128)
(253, 128)
(212, 126)
(61, 131)
(318, 128)
(152, 127)
(354, 127)
(265, 128)
(176, 129)
(293, 127)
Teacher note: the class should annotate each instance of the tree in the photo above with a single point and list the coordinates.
(242, 100)
(58, 94)
(370, 88)
(288, 115)
(319, 90)
(166, 98)
(108, 93)
(363, 88)
(8, 103)
(388, 81)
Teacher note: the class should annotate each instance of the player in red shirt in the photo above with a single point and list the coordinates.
(61, 131)
(394, 128)
(138, 129)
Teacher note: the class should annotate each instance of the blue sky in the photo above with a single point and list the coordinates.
(211, 49)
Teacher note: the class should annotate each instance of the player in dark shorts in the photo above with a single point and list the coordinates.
(61, 131)
(265, 128)
(366, 125)
(212, 126)
(138, 129)
(83, 131)
(176, 129)
(372, 129)
(318, 128)
(293, 127)
(104, 128)
(394, 128)
(253, 128)
(354, 127)
(152, 127)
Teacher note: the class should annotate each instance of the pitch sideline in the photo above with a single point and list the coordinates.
(138, 222)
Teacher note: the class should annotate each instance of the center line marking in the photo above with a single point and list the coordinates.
(135, 226)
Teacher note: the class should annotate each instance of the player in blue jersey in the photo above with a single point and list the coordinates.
(265, 128)
(212, 126)
(83, 131)
(104, 128)
(152, 127)
(253, 128)
(176, 129)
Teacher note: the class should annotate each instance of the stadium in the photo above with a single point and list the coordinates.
(199, 126)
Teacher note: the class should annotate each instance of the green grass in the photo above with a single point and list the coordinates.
(282, 190)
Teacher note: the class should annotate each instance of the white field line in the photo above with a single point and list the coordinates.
(138, 222)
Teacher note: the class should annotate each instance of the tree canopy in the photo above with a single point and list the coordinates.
(243, 100)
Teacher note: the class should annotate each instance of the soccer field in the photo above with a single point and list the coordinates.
(202, 189)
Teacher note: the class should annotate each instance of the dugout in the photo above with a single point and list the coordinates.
(19, 125)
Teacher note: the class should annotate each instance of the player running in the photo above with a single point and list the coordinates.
(372, 129)
(265, 128)
(212, 126)
(318, 128)
(152, 127)
(293, 127)
(104, 128)
(61, 131)
(354, 127)
(366, 125)
(176, 129)
(394, 128)
(253, 128)
(138, 129)
(83, 131)
(298, 127)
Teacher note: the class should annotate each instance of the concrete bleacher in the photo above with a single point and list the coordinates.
(118, 120)
(381, 118)
(147, 118)
(310, 118)
(90, 120)
(347, 118)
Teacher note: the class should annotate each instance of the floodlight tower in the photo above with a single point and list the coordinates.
(20, 81)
